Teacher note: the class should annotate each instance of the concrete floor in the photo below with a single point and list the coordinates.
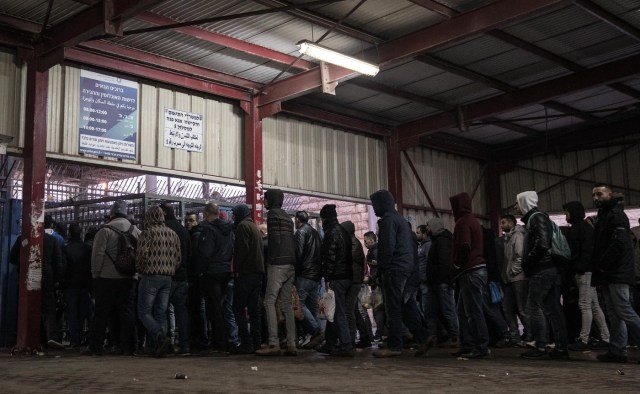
(309, 372)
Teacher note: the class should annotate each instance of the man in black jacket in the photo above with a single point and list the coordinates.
(179, 284)
(371, 243)
(212, 248)
(308, 276)
(77, 282)
(544, 280)
(580, 239)
(614, 267)
(337, 267)
(281, 259)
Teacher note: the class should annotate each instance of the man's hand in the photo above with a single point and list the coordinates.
(328, 285)
(365, 280)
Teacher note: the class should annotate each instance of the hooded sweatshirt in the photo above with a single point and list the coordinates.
(580, 238)
(439, 257)
(248, 255)
(395, 244)
(158, 250)
(212, 244)
(357, 253)
(538, 235)
(468, 250)
(280, 231)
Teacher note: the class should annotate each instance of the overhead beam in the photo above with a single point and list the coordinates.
(436, 7)
(535, 94)
(607, 17)
(381, 88)
(448, 143)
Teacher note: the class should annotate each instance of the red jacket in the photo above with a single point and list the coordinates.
(468, 249)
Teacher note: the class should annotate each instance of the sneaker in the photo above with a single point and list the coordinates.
(578, 346)
(609, 357)
(384, 353)
(272, 350)
(531, 344)
(364, 344)
(461, 352)
(55, 344)
(90, 351)
(303, 341)
(502, 343)
(535, 354)
(342, 353)
(290, 352)
(557, 354)
(244, 349)
(424, 348)
(184, 352)
(314, 341)
(326, 349)
(597, 344)
(477, 355)
(164, 344)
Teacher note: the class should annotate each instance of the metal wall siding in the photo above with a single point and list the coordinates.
(12, 86)
(418, 217)
(307, 156)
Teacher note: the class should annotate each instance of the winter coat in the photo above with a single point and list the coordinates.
(282, 250)
(52, 263)
(105, 244)
(77, 257)
(212, 247)
(158, 250)
(336, 252)
(423, 252)
(513, 255)
(357, 253)
(537, 244)
(395, 244)
(580, 239)
(308, 253)
(248, 255)
(468, 248)
(372, 255)
(182, 273)
(439, 258)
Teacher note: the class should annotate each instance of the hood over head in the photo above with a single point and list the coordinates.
(383, 202)
(435, 225)
(154, 216)
(275, 198)
(349, 226)
(527, 201)
(328, 212)
(240, 212)
(460, 205)
(576, 211)
(119, 207)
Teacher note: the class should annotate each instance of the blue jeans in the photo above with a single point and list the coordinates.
(178, 298)
(153, 299)
(438, 299)
(411, 315)
(475, 334)
(229, 315)
(544, 297)
(623, 319)
(308, 292)
(339, 328)
(393, 284)
(79, 308)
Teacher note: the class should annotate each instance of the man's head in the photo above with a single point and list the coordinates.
(370, 239)
(75, 232)
(507, 223)
(190, 220)
(118, 210)
(168, 211)
(49, 222)
(211, 212)
(422, 232)
(526, 201)
(273, 199)
(602, 195)
(434, 226)
(328, 212)
(302, 217)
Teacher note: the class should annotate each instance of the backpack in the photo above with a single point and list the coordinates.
(560, 251)
(125, 261)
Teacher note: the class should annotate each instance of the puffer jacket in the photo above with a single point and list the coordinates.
(308, 253)
(580, 239)
(395, 244)
(537, 245)
(336, 252)
(357, 254)
(513, 255)
(282, 250)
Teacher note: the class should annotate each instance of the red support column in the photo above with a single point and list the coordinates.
(494, 196)
(394, 169)
(31, 251)
(253, 158)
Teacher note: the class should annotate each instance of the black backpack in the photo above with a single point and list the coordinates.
(125, 261)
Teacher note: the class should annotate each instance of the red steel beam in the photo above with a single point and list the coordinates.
(463, 26)
(394, 170)
(31, 248)
(606, 73)
(253, 159)
(420, 183)
(145, 71)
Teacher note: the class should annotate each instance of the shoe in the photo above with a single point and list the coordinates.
(303, 341)
(342, 353)
(314, 341)
(290, 352)
(243, 349)
(384, 353)
(272, 350)
(557, 354)
(55, 344)
(520, 343)
(184, 352)
(461, 352)
(535, 354)
(609, 357)
(377, 338)
(503, 343)
(325, 349)
(578, 346)
(455, 342)
(164, 344)
(364, 344)
(92, 352)
(531, 344)
(424, 348)
(477, 355)
(596, 344)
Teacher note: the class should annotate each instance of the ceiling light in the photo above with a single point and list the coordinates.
(330, 56)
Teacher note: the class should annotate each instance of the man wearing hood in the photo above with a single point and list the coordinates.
(614, 267)
(395, 265)
(212, 245)
(440, 299)
(248, 268)
(157, 257)
(580, 239)
(544, 281)
(281, 259)
(469, 268)
(516, 286)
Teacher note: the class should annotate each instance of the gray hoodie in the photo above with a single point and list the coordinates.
(513, 251)
(106, 240)
(527, 201)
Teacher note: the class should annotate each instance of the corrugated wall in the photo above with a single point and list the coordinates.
(305, 156)
(12, 88)
(622, 170)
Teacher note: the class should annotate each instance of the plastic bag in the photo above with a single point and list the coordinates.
(327, 306)
(365, 297)
(496, 292)
(376, 298)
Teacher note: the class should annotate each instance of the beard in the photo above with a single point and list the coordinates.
(599, 203)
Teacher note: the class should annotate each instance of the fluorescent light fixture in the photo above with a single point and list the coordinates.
(330, 56)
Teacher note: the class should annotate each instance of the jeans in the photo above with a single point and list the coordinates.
(590, 308)
(214, 288)
(393, 284)
(280, 279)
(473, 327)
(438, 299)
(153, 300)
(350, 308)
(114, 295)
(308, 292)
(229, 315)
(198, 317)
(246, 294)
(411, 315)
(339, 328)
(496, 323)
(379, 314)
(514, 305)
(79, 308)
(544, 297)
(623, 319)
(178, 298)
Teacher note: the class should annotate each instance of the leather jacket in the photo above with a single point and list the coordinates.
(308, 253)
(336, 252)
(537, 244)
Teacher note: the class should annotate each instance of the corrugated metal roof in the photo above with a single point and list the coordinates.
(378, 103)
(466, 94)
(409, 112)
(36, 10)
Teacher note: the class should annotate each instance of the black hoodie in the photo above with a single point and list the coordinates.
(280, 234)
(613, 250)
(357, 253)
(395, 244)
(580, 238)
(212, 245)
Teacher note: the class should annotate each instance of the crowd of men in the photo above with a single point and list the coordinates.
(235, 287)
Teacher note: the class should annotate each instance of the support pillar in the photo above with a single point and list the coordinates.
(494, 196)
(394, 169)
(253, 159)
(31, 251)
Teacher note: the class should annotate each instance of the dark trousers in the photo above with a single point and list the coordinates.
(514, 305)
(412, 317)
(114, 295)
(247, 294)
(393, 284)
(339, 328)
(473, 327)
(199, 334)
(544, 297)
(214, 288)
(178, 298)
(79, 308)
(352, 302)
(496, 323)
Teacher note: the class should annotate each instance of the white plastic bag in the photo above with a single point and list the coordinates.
(327, 306)
(365, 297)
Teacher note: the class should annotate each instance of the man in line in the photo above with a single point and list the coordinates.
(198, 327)
(371, 243)
(77, 281)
